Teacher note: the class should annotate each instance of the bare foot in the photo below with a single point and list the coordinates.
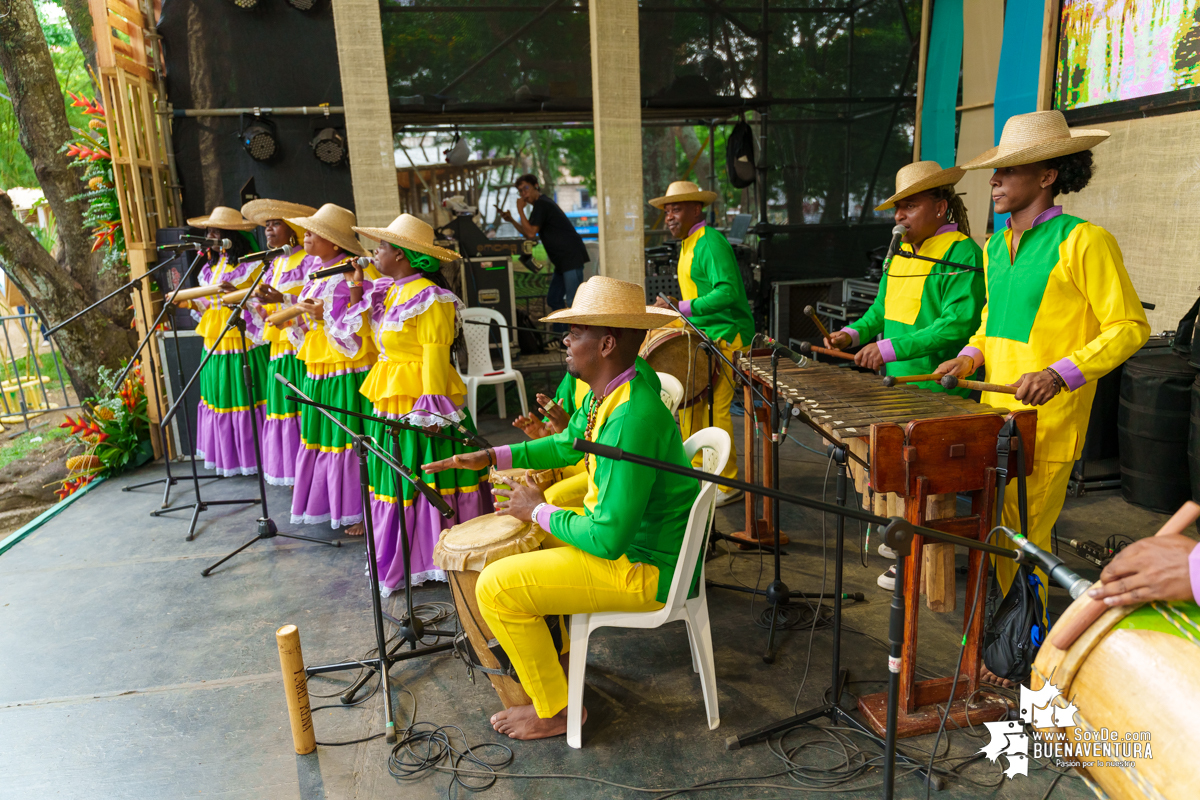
(988, 677)
(522, 722)
(357, 529)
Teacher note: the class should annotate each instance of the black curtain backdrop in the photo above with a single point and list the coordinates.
(221, 56)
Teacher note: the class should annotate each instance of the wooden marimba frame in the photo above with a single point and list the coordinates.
(924, 449)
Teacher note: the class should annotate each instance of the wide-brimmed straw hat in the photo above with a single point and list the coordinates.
(263, 211)
(1030, 138)
(684, 192)
(921, 176)
(412, 233)
(617, 304)
(223, 218)
(333, 223)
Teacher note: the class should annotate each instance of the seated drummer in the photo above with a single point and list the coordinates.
(926, 311)
(714, 299)
(569, 491)
(1061, 311)
(620, 555)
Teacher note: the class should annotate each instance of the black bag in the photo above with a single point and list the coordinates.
(739, 156)
(1012, 629)
(529, 342)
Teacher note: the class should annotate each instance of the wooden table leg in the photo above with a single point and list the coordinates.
(764, 526)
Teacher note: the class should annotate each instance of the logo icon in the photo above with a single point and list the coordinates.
(1038, 710)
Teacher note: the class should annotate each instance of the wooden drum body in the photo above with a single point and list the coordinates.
(1134, 672)
(542, 479)
(463, 551)
(676, 351)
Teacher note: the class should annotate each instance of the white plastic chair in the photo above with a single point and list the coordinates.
(716, 445)
(480, 371)
(671, 392)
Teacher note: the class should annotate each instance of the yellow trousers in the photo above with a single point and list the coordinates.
(695, 417)
(1047, 491)
(570, 491)
(515, 593)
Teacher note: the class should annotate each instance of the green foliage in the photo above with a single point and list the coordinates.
(71, 69)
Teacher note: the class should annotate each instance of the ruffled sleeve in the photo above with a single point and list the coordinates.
(343, 331)
(374, 292)
(436, 329)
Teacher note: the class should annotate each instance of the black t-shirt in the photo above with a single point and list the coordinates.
(563, 243)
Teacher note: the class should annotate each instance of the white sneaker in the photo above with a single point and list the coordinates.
(727, 495)
(888, 579)
(886, 551)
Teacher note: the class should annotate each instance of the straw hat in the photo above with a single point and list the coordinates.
(684, 192)
(920, 176)
(333, 223)
(411, 232)
(1030, 138)
(223, 218)
(617, 304)
(264, 210)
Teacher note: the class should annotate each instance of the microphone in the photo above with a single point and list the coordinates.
(348, 266)
(198, 244)
(787, 420)
(1051, 564)
(263, 255)
(787, 352)
(206, 241)
(897, 234)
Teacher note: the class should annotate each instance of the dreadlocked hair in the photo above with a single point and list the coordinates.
(1074, 172)
(956, 210)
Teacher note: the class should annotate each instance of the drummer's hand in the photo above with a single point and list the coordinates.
(314, 308)
(557, 418)
(519, 500)
(531, 426)
(961, 367)
(268, 294)
(869, 356)
(660, 303)
(1036, 388)
(839, 340)
(476, 460)
(1150, 569)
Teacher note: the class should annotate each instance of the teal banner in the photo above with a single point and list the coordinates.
(1020, 55)
(942, 66)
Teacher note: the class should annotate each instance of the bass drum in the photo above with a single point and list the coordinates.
(1133, 678)
(676, 351)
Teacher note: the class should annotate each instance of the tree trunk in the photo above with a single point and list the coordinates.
(59, 288)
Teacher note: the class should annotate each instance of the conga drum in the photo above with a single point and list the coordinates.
(463, 551)
(676, 351)
(1133, 679)
(542, 479)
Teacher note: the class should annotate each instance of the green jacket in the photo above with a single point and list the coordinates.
(710, 283)
(569, 388)
(630, 510)
(926, 318)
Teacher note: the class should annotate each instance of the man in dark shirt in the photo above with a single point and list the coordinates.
(564, 246)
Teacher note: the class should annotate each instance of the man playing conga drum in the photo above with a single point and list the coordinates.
(714, 299)
(620, 554)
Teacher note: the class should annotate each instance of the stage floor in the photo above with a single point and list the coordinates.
(125, 674)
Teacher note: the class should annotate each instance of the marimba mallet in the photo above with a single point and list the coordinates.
(812, 313)
(899, 379)
(808, 349)
(949, 382)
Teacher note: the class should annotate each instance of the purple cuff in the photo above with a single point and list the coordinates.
(854, 337)
(1070, 373)
(503, 457)
(887, 351)
(544, 514)
(437, 404)
(975, 353)
(1193, 570)
(685, 307)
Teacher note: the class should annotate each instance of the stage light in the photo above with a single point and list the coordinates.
(329, 146)
(258, 137)
(302, 5)
(247, 4)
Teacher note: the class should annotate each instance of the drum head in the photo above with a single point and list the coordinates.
(676, 351)
(478, 542)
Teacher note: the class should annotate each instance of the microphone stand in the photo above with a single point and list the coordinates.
(898, 533)
(777, 592)
(963, 267)
(412, 628)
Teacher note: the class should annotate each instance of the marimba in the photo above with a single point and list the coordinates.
(923, 449)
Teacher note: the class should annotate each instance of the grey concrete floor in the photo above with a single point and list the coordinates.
(125, 674)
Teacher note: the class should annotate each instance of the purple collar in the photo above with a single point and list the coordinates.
(697, 227)
(623, 378)
(409, 279)
(949, 227)
(336, 260)
(1047, 215)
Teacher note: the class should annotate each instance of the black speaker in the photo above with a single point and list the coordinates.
(170, 277)
(191, 351)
